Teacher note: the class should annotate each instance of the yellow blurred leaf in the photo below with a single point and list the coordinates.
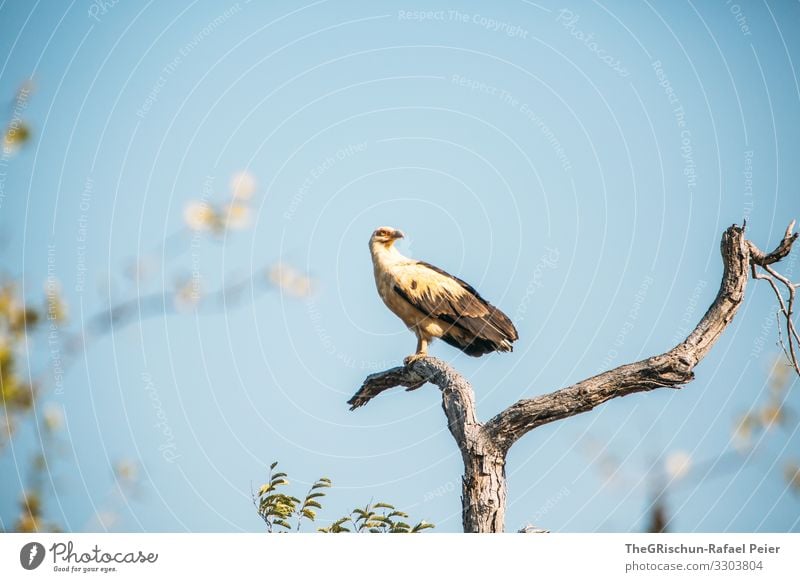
(771, 415)
(17, 134)
(56, 307)
(678, 464)
(743, 433)
(199, 216)
(243, 184)
(237, 216)
(290, 280)
(53, 417)
(126, 471)
(187, 294)
(792, 474)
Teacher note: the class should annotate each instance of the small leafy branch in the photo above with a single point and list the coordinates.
(278, 509)
(369, 520)
(282, 512)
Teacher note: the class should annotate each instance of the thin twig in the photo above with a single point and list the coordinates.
(786, 305)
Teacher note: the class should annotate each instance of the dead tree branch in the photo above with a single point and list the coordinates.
(458, 398)
(758, 259)
(484, 446)
(484, 481)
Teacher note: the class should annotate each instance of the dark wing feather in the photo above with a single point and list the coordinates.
(474, 325)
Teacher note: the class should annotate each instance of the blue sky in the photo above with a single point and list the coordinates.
(576, 162)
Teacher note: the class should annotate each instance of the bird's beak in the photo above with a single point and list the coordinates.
(398, 234)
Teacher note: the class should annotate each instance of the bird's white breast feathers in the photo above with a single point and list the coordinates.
(393, 270)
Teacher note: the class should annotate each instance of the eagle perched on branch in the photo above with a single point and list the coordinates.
(433, 303)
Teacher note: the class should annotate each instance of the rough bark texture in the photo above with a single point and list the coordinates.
(484, 482)
(484, 446)
(483, 488)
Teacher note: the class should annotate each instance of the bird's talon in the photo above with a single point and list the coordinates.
(408, 360)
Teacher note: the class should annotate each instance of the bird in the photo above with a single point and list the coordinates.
(435, 304)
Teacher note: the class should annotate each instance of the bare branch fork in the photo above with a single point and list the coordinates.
(484, 445)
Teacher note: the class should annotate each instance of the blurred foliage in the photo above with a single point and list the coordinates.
(283, 512)
(658, 520)
(773, 413)
(108, 508)
(202, 215)
(30, 365)
(768, 416)
(792, 474)
(677, 465)
(18, 131)
(17, 134)
(17, 320)
(30, 519)
(290, 280)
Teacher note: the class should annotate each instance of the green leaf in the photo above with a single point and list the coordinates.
(283, 510)
(334, 528)
(383, 506)
(273, 465)
(309, 514)
(283, 523)
(381, 518)
(312, 503)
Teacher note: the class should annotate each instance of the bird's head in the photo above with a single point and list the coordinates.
(385, 236)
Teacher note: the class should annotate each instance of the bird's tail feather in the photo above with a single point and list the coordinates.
(476, 345)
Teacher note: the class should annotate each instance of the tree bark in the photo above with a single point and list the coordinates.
(483, 489)
(483, 486)
(484, 446)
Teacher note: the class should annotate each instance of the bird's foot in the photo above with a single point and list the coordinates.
(408, 360)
